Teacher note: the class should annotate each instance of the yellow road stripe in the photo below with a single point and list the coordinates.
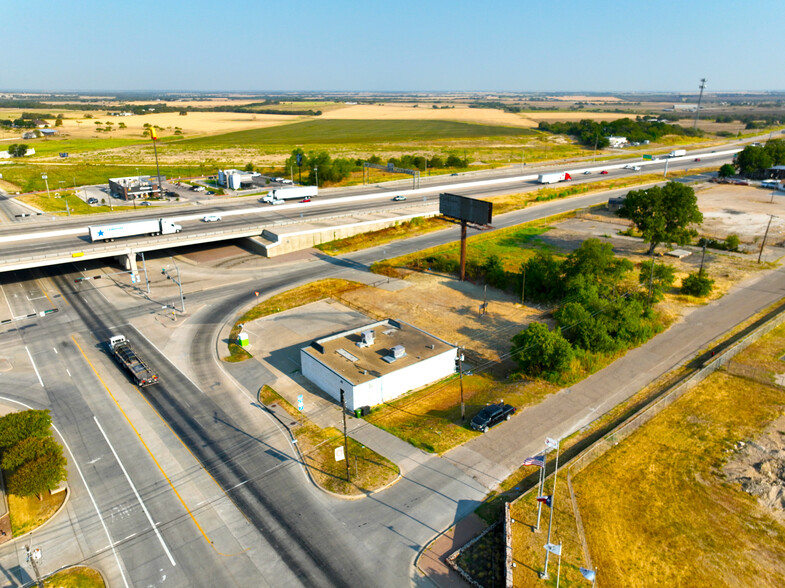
(185, 506)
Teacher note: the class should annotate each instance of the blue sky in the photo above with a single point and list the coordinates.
(341, 45)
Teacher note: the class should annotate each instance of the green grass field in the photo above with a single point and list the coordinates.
(55, 145)
(28, 176)
(325, 132)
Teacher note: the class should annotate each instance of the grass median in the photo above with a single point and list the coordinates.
(368, 471)
(76, 577)
(28, 512)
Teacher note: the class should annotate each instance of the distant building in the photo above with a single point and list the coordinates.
(377, 363)
(777, 172)
(617, 141)
(686, 106)
(134, 187)
(615, 203)
(234, 178)
(48, 132)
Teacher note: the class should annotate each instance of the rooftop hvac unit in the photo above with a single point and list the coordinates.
(398, 351)
(366, 339)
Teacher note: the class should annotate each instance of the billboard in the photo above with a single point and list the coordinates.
(464, 208)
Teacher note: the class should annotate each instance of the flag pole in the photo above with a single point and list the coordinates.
(550, 519)
(542, 483)
(558, 570)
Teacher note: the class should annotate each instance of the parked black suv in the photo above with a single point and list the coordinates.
(492, 415)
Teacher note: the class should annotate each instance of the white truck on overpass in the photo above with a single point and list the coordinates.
(152, 227)
(290, 193)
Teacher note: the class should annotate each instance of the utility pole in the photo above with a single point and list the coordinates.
(703, 256)
(460, 371)
(345, 441)
(46, 181)
(766, 234)
(523, 286)
(144, 269)
(34, 557)
(651, 279)
(700, 98)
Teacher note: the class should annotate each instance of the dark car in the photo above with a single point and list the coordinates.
(92, 200)
(492, 415)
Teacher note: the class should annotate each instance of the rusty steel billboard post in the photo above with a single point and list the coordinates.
(467, 210)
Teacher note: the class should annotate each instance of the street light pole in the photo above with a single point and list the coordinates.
(316, 170)
(46, 181)
(34, 556)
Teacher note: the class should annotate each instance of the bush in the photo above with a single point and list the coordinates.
(540, 352)
(697, 285)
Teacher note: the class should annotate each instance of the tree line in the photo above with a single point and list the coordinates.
(589, 132)
(331, 170)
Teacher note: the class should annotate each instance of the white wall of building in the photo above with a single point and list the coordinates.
(383, 388)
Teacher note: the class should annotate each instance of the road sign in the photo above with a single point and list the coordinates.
(300, 404)
(647, 157)
(339, 455)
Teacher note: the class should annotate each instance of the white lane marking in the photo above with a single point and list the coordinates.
(8, 303)
(67, 372)
(55, 350)
(139, 498)
(89, 493)
(35, 368)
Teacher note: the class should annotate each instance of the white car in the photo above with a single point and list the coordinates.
(211, 218)
(287, 182)
(277, 201)
(636, 168)
(399, 198)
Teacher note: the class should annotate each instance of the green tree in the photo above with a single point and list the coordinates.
(540, 352)
(663, 214)
(249, 167)
(59, 122)
(753, 160)
(543, 278)
(727, 170)
(594, 260)
(28, 450)
(38, 476)
(584, 329)
(16, 426)
(495, 275)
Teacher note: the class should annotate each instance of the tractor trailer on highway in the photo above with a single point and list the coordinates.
(677, 153)
(151, 227)
(553, 178)
(290, 193)
(130, 360)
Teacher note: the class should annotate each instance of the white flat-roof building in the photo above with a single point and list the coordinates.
(234, 178)
(617, 141)
(377, 363)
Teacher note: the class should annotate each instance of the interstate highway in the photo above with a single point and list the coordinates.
(58, 240)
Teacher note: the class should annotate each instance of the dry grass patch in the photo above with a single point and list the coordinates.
(77, 577)
(413, 228)
(368, 471)
(27, 512)
(431, 418)
(682, 511)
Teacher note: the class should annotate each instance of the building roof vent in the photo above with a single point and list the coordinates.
(398, 351)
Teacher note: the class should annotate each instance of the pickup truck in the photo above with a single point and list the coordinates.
(492, 415)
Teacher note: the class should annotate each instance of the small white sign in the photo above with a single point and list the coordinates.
(300, 404)
(339, 455)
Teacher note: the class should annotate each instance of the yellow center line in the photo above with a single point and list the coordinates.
(188, 510)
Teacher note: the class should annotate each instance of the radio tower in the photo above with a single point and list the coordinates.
(700, 97)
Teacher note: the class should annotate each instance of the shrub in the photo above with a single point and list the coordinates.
(697, 285)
